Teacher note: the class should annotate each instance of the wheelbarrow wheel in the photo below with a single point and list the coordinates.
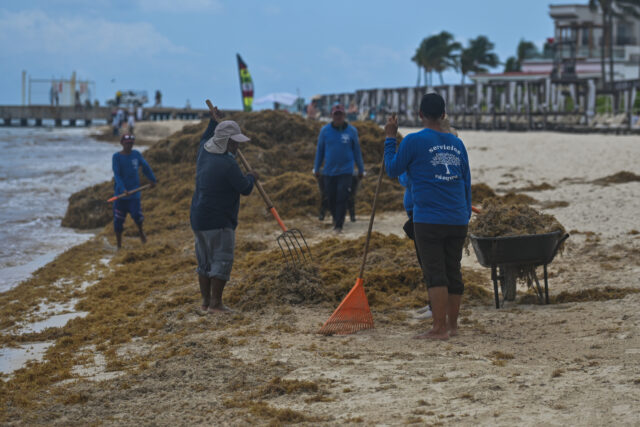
(508, 282)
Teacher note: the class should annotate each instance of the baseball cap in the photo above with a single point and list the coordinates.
(225, 131)
(338, 108)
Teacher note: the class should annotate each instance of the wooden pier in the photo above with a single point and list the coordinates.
(34, 115)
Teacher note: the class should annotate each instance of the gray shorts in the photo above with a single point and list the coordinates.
(214, 252)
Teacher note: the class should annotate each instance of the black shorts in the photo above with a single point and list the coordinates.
(440, 248)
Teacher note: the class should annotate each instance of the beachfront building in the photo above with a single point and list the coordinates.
(575, 50)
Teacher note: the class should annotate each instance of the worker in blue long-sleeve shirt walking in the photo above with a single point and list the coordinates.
(125, 174)
(339, 149)
(437, 165)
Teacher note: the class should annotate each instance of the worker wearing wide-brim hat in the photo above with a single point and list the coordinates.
(215, 206)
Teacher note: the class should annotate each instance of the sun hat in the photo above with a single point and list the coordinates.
(225, 131)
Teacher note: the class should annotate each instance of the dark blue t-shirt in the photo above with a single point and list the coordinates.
(219, 183)
(125, 172)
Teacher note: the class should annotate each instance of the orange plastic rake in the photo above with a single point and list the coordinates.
(353, 314)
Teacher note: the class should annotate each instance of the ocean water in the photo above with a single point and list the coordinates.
(39, 169)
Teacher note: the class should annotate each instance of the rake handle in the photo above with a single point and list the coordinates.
(114, 198)
(373, 214)
(258, 184)
(263, 193)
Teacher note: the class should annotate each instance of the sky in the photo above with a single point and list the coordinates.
(187, 48)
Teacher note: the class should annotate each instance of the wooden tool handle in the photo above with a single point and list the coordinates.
(114, 198)
(263, 193)
(373, 214)
(258, 184)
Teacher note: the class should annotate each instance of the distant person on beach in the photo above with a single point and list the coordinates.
(312, 111)
(115, 124)
(125, 174)
(352, 111)
(215, 205)
(324, 199)
(438, 166)
(158, 99)
(351, 202)
(120, 114)
(339, 149)
(118, 97)
(131, 122)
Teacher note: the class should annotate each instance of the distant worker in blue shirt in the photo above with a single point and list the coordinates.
(125, 174)
(339, 149)
(437, 165)
(215, 206)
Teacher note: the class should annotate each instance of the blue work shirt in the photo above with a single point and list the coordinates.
(125, 172)
(437, 166)
(339, 149)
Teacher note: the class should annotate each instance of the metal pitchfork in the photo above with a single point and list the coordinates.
(290, 238)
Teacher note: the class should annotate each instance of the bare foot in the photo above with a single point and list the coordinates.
(453, 332)
(220, 309)
(432, 335)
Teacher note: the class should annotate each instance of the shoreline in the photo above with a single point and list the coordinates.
(151, 132)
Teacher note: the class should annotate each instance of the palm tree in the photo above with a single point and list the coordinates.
(477, 56)
(436, 53)
(525, 49)
(447, 53)
(611, 8)
(511, 65)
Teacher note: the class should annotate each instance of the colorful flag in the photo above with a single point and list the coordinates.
(246, 85)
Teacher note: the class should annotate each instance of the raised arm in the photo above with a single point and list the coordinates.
(395, 163)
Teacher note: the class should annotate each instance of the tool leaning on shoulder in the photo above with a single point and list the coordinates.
(292, 243)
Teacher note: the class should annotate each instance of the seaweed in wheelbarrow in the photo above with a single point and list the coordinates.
(513, 240)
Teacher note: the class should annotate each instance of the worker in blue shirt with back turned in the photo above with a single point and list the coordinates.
(125, 174)
(437, 165)
(339, 149)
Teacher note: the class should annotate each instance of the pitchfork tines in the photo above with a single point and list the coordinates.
(292, 250)
(292, 243)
